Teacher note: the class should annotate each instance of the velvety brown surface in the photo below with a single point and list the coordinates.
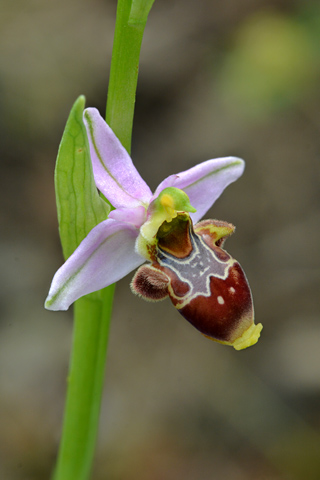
(220, 321)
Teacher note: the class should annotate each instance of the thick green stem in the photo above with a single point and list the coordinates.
(92, 313)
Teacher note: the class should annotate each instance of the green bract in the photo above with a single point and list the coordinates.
(79, 206)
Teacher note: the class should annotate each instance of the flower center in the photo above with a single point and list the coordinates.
(164, 208)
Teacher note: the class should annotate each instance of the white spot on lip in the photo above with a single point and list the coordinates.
(220, 300)
(232, 290)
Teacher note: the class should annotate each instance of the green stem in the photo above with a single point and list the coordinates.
(124, 74)
(85, 384)
(92, 313)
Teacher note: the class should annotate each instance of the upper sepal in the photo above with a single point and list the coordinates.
(115, 175)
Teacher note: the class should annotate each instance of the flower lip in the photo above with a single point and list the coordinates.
(206, 285)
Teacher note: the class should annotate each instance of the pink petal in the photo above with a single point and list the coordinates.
(102, 258)
(114, 173)
(205, 182)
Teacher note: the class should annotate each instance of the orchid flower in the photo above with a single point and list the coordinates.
(186, 261)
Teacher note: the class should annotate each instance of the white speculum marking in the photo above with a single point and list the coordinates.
(220, 300)
(196, 269)
(231, 290)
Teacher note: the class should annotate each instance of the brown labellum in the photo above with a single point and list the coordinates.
(206, 285)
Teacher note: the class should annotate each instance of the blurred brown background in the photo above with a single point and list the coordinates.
(217, 78)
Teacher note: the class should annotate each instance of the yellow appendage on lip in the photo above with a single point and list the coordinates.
(248, 338)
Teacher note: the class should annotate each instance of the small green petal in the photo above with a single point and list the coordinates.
(174, 198)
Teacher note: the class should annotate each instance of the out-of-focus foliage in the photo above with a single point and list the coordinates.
(274, 63)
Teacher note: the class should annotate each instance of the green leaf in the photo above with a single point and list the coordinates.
(79, 206)
(139, 11)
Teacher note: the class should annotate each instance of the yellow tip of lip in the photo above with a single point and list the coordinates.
(248, 338)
